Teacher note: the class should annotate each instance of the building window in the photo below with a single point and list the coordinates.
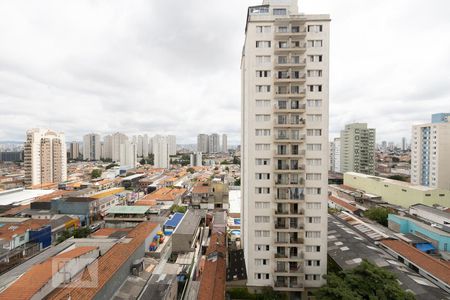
(262, 176)
(262, 190)
(315, 88)
(310, 248)
(262, 248)
(314, 73)
(314, 103)
(262, 233)
(262, 276)
(313, 176)
(262, 161)
(262, 73)
(313, 234)
(314, 132)
(261, 261)
(313, 191)
(263, 44)
(263, 88)
(315, 58)
(262, 103)
(260, 204)
(313, 263)
(314, 162)
(314, 147)
(313, 205)
(263, 60)
(263, 29)
(313, 220)
(279, 11)
(315, 28)
(262, 147)
(262, 132)
(312, 276)
(262, 219)
(262, 118)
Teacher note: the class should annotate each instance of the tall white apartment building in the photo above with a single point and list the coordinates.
(224, 143)
(172, 140)
(161, 151)
(285, 70)
(91, 147)
(430, 152)
(128, 154)
(140, 146)
(196, 159)
(214, 143)
(202, 143)
(145, 146)
(335, 155)
(74, 150)
(107, 147)
(116, 140)
(45, 157)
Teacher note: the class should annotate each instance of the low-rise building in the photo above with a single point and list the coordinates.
(430, 214)
(397, 192)
(185, 234)
(122, 216)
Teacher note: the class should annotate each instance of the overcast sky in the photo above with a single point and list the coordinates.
(172, 67)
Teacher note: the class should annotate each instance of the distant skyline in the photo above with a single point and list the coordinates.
(160, 68)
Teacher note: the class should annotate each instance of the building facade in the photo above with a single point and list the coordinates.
(116, 140)
(91, 147)
(172, 141)
(284, 149)
(358, 149)
(214, 143)
(224, 143)
(430, 148)
(196, 159)
(335, 155)
(128, 154)
(74, 150)
(202, 143)
(45, 157)
(161, 151)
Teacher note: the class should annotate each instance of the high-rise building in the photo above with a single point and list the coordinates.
(128, 154)
(202, 143)
(430, 148)
(284, 153)
(91, 147)
(161, 151)
(74, 150)
(172, 140)
(335, 155)
(358, 149)
(214, 143)
(145, 146)
(107, 147)
(404, 146)
(384, 145)
(224, 143)
(140, 146)
(45, 157)
(116, 140)
(196, 159)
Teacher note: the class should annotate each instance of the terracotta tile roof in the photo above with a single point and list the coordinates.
(212, 281)
(435, 267)
(343, 203)
(145, 202)
(164, 194)
(105, 232)
(108, 265)
(39, 275)
(199, 188)
(346, 187)
(15, 210)
(54, 195)
(10, 229)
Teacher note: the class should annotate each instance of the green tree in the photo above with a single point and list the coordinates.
(177, 208)
(142, 161)
(237, 182)
(366, 281)
(236, 160)
(151, 159)
(191, 170)
(378, 214)
(96, 173)
(111, 166)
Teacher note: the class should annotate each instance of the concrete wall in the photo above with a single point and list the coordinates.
(398, 193)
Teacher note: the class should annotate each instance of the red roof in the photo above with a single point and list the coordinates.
(435, 267)
(343, 204)
(212, 281)
(108, 265)
(39, 275)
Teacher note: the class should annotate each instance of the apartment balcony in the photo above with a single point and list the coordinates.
(292, 48)
(287, 154)
(289, 199)
(288, 285)
(296, 241)
(293, 123)
(282, 35)
(280, 64)
(289, 108)
(286, 93)
(281, 211)
(282, 138)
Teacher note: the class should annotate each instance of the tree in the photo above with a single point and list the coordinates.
(366, 281)
(111, 166)
(190, 170)
(236, 160)
(378, 214)
(96, 173)
(237, 182)
(142, 161)
(177, 208)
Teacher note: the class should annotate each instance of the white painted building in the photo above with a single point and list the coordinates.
(117, 140)
(45, 157)
(214, 143)
(161, 151)
(202, 143)
(196, 159)
(430, 152)
(172, 141)
(224, 143)
(285, 70)
(128, 154)
(91, 147)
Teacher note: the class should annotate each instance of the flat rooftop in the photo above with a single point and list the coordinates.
(21, 196)
(123, 209)
(348, 248)
(441, 213)
(393, 182)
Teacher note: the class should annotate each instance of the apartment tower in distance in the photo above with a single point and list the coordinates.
(358, 149)
(202, 143)
(285, 147)
(224, 143)
(91, 147)
(430, 152)
(45, 157)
